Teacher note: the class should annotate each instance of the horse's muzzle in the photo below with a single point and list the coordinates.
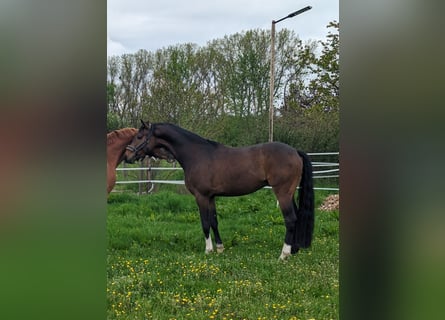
(130, 157)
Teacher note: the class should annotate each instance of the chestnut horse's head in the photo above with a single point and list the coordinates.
(144, 144)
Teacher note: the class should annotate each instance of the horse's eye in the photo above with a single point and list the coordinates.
(139, 136)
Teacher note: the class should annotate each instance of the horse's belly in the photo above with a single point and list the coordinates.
(238, 188)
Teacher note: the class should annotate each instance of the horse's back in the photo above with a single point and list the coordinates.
(279, 152)
(260, 156)
(278, 147)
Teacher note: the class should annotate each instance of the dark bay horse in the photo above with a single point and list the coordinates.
(212, 169)
(117, 140)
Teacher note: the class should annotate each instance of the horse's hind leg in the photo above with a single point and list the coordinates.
(287, 207)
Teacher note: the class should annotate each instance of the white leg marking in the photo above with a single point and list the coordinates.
(209, 244)
(285, 252)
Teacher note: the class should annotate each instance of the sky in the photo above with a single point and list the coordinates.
(153, 25)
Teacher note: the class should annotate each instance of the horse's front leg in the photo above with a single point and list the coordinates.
(209, 220)
(214, 225)
(203, 204)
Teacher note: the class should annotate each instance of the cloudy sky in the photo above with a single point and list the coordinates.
(152, 25)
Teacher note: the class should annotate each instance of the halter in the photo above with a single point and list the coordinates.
(141, 145)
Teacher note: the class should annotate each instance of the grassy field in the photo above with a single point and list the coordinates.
(157, 268)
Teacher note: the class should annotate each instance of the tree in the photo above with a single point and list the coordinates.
(326, 85)
(221, 90)
(310, 114)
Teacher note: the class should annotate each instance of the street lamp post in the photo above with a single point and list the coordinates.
(272, 65)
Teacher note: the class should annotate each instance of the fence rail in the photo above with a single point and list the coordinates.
(316, 174)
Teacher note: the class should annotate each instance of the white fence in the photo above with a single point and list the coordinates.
(332, 170)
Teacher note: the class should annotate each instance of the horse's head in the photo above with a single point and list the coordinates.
(144, 144)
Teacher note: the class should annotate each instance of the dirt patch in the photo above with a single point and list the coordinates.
(331, 203)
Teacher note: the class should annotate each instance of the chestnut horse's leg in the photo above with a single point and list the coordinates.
(111, 178)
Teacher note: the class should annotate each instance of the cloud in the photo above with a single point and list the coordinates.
(115, 48)
(152, 25)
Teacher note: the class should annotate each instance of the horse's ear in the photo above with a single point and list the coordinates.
(148, 126)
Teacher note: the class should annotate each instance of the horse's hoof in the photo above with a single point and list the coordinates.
(220, 248)
(286, 252)
(283, 256)
(208, 251)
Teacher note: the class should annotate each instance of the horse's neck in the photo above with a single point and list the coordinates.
(115, 152)
(173, 147)
(183, 149)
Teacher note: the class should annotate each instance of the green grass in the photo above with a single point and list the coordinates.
(157, 268)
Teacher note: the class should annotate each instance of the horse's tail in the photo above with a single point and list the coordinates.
(305, 212)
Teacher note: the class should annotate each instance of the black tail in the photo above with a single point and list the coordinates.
(305, 213)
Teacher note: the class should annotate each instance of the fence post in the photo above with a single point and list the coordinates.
(140, 174)
(148, 175)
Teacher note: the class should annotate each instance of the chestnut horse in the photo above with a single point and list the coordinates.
(212, 169)
(117, 140)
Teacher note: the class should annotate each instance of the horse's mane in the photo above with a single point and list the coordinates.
(120, 134)
(190, 135)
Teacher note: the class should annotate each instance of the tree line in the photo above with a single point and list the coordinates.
(221, 90)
